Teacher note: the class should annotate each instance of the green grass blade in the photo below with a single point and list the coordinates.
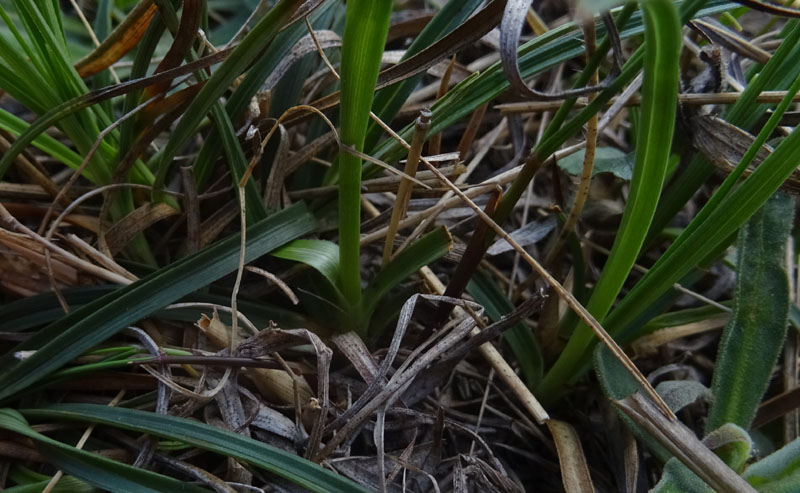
(366, 26)
(233, 66)
(94, 469)
(752, 340)
(251, 84)
(422, 252)
(714, 229)
(68, 484)
(388, 101)
(777, 74)
(77, 332)
(320, 254)
(654, 139)
(283, 464)
(35, 311)
(47, 144)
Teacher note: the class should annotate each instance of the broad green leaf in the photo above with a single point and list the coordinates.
(284, 464)
(752, 340)
(90, 325)
(519, 338)
(606, 160)
(617, 383)
(94, 469)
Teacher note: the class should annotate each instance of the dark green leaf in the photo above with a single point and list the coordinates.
(284, 464)
(77, 332)
(420, 253)
(519, 338)
(94, 469)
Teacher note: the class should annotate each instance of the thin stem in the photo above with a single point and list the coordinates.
(404, 189)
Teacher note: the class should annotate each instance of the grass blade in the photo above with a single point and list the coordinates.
(366, 26)
(654, 139)
(388, 101)
(422, 252)
(94, 469)
(713, 229)
(75, 333)
(320, 254)
(287, 465)
(519, 338)
(241, 58)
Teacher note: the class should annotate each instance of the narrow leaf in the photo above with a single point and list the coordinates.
(284, 464)
(420, 253)
(77, 332)
(653, 143)
(320, 254)
(94, 469)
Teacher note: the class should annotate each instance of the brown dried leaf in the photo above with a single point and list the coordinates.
(574, 469)
(134, 223)
(126, 35)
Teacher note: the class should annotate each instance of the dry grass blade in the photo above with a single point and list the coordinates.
(682, 442)
(574, 470)
(514, 18)
(588, 159)
(694, 99)
(181, 44)
(419, 359)
(67, 257)
(570, 299)
(123, 39)
(404, 189)
(121, 234)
